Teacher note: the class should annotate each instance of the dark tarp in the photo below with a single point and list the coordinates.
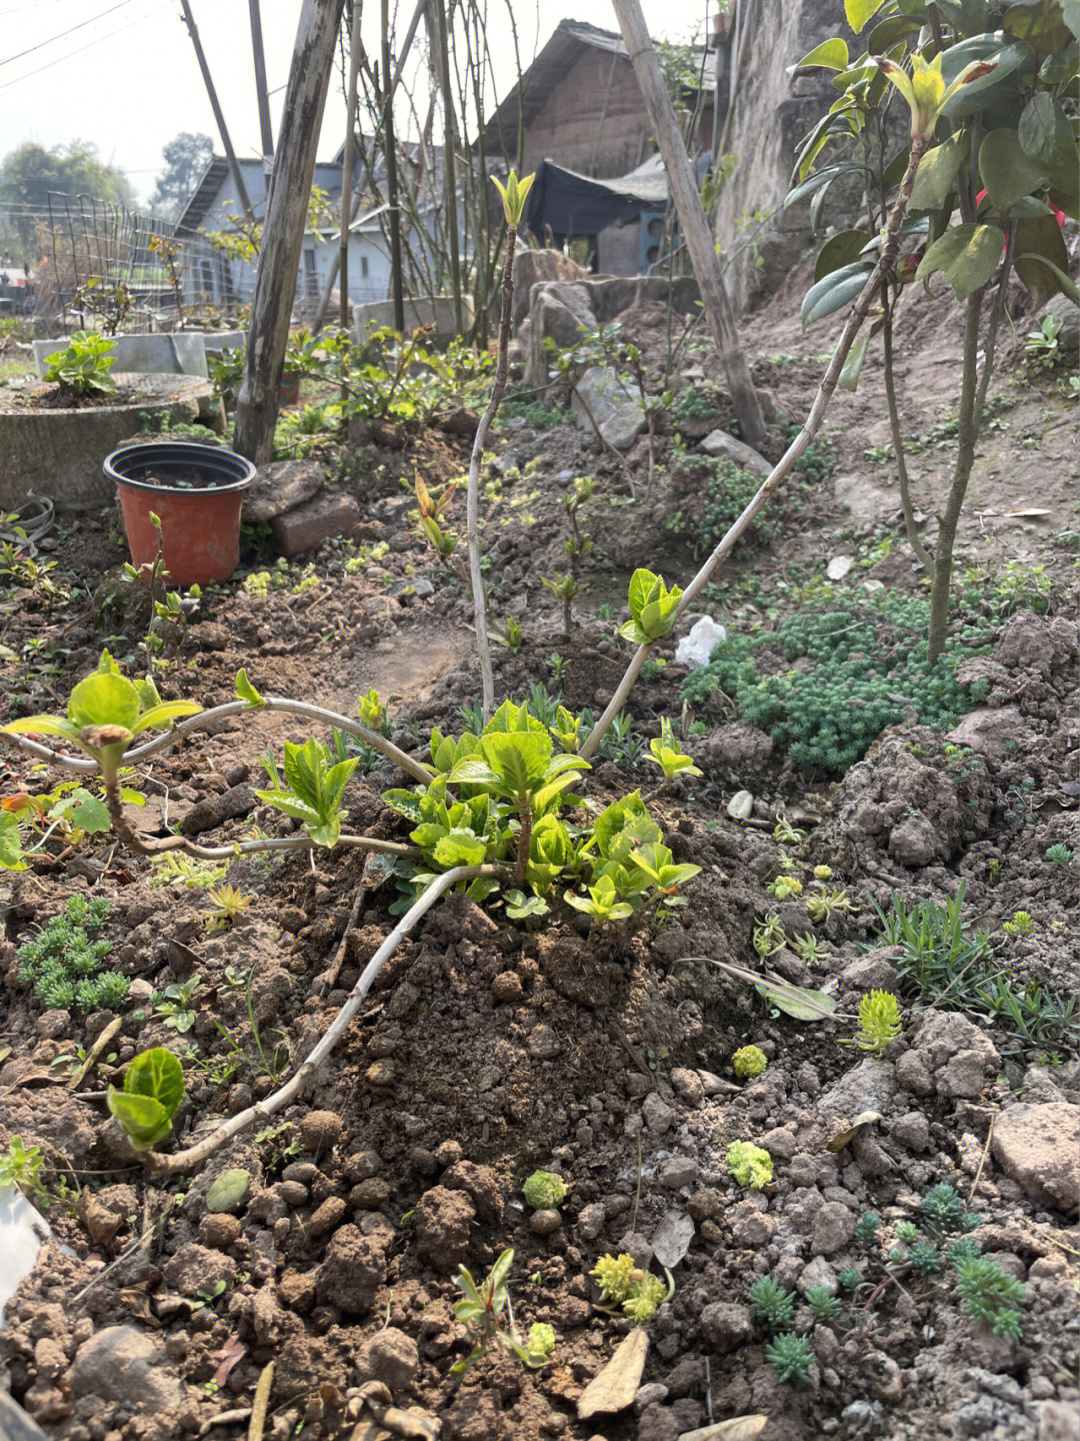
(565, 203)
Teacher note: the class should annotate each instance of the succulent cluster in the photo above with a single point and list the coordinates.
(748, 1061)
(879, 1021)
(749, 1164)
(544, 1191)
(65, 962)
(623, 1283)
(869, 667)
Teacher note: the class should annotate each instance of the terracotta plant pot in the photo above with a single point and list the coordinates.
(197, 491)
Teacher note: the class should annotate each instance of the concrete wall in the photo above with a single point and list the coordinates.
(773, 113)
(618, 250)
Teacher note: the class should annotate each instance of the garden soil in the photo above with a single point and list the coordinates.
(487, 1050)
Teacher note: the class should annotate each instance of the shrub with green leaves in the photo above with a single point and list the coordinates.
(652, 607)
(82, 367)
(153, 1089)
(65, 961)
(311, 790)
(868, 668)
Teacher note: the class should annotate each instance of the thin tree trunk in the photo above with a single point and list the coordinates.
(391, 175)
(695, 228)
(283, 232)
(347, 161)
(914, 539)
(449, 140)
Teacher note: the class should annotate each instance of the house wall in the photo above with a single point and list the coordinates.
(565, 127)
(618, 250)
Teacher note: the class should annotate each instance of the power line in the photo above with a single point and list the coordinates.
(71, 55)
(52, 41)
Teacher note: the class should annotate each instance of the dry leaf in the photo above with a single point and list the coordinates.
(616, 1385)
(232, 1351)
(672, 1239)
(739, 1428)
(845, 1137)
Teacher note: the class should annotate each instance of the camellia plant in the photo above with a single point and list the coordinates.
(992, 141)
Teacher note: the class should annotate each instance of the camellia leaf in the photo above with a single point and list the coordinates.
(849, 376)
(858, 12)
(829, 55)
(1070, 10)
(937, 172)
(834, 291)
(967, 254)
(1046, 137)
(1040, 260)
(1007, 172)
(840, 250)
(1012, 60)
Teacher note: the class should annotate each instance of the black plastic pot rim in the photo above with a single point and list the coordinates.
(156, 488)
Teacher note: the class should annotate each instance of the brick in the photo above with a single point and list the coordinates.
(310, 524)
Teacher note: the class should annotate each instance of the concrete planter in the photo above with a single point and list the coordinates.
(165, 354)
(216, 342)
(59, 453)
(437, 311)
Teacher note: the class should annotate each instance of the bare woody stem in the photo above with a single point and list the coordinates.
(784, 466)
(85, 766)
(922, 555)
(483, 645)
(203, 1150)
(524, 844)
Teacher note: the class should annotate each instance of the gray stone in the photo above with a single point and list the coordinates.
(680, 1171)
(591, 1221)
(834, 1226)
(16, 1425)
(603, 398)
(726, 1325)
(720, 443)
(121, 1364)
(913, 842)
(818, 1273)
(1039, 1146)
(869, 1086)
(558, 312)
(912, 1130)
(1059, 1421)
(195, 1268)
(873, 971)
(657, 1114)
(534, 267)
(958, 1055)
(993, 733)
(281, 485)
(1067, 314)
(913, 1076)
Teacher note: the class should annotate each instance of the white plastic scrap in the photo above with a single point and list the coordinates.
(703, 638)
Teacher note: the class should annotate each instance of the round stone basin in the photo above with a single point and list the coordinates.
(58, 452)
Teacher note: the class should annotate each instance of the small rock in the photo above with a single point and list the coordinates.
(873, 971)
(751, 1228)
(680, 1171)
(1059, 1421)
(652, 1393)
(121, 1364)
(657, 1114)
(297, 1291)
(911, 1130)
(229, 1191)
(838, 567)
(1039, 1146)
(726, 1326)
(834, 1226)
(914, 842)
(818, 1273)
(869, 1086)
(545, 1223)
(542, 1043)
(392, 1358)
(671, 1239)
(720, 443)
(320, 1131)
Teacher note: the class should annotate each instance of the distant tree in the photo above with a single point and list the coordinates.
(186, 158)
(31, 173)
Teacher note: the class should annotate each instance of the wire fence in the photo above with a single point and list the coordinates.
(77, 263)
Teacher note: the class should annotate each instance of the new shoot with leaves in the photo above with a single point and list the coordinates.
(153, 1089)
(667, 755)
(483, 1310)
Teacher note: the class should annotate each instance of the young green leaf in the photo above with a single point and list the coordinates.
(246, 692)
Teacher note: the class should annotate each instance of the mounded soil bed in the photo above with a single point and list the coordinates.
(488, 1050)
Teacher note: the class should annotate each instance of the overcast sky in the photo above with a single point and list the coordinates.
(126, 78)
